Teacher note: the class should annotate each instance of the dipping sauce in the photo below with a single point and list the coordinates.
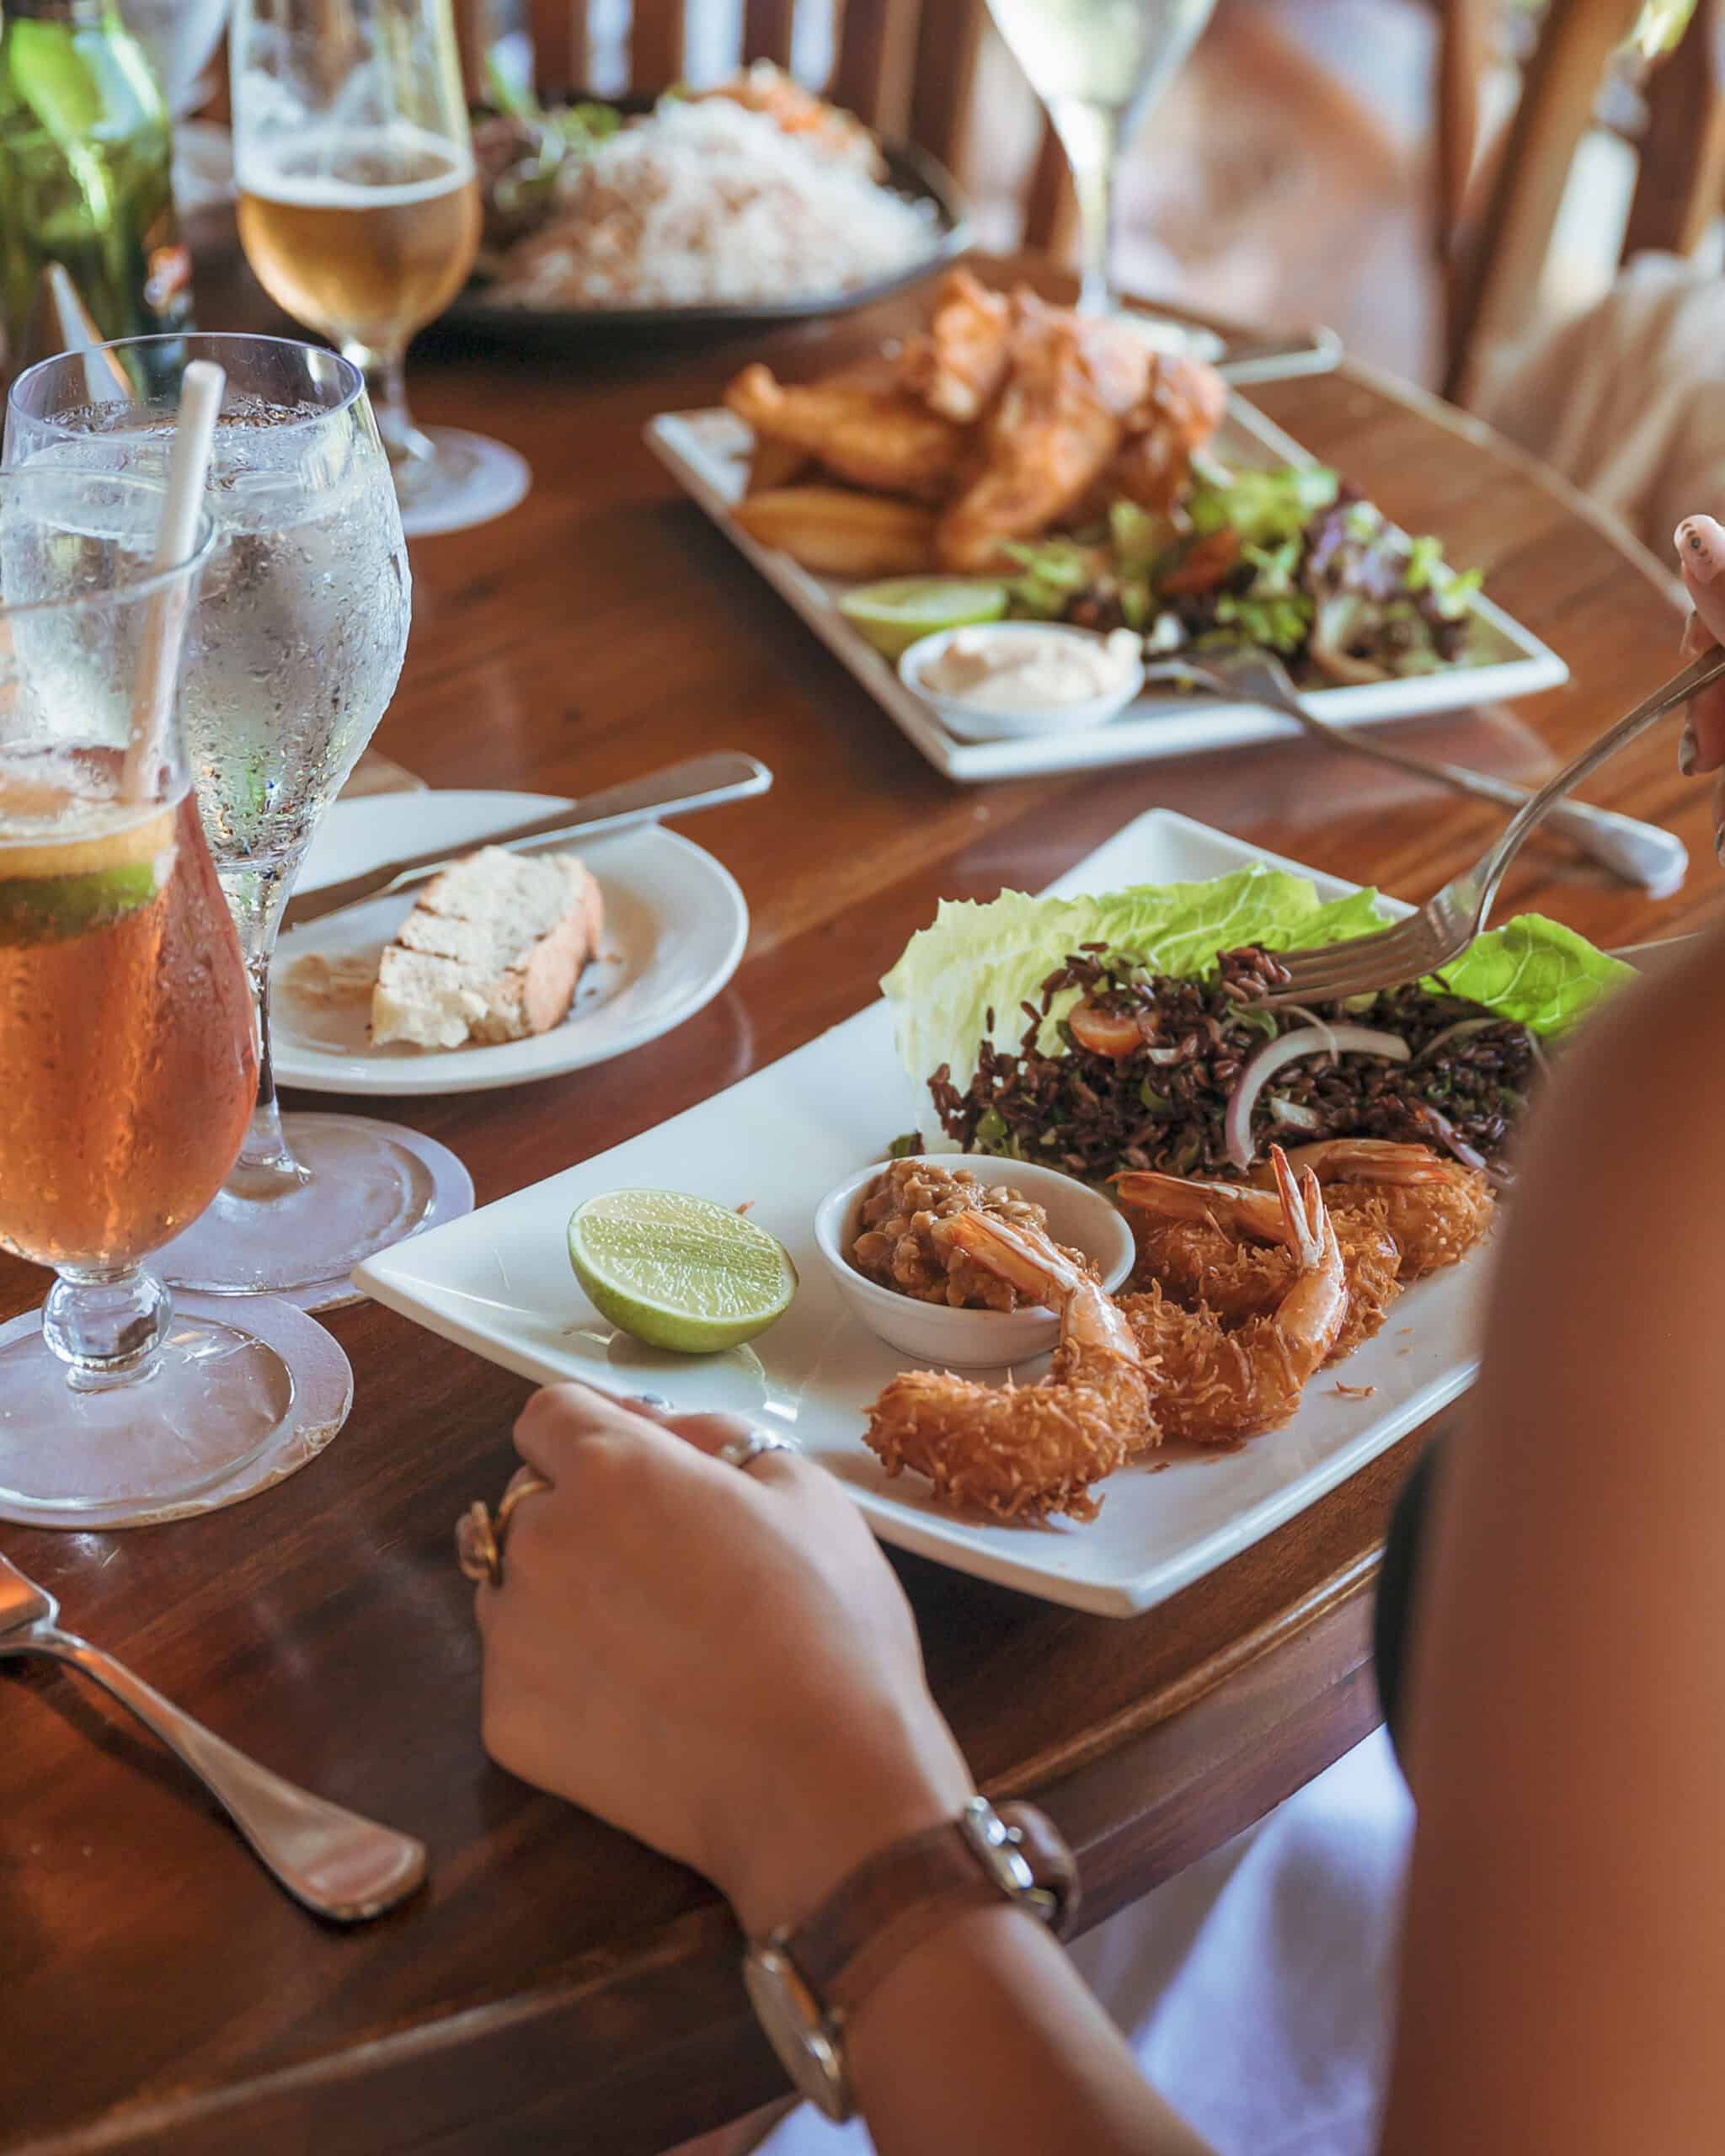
(896, 1246)
(1031, 669)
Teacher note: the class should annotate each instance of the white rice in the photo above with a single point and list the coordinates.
(705, 202)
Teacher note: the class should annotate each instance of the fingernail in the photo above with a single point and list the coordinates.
(654, 1400)
(1688, 749)
(1698, 544)
(1719, 846)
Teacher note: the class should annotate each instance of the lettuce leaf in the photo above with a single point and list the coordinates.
(978, 957)
(1537, 971)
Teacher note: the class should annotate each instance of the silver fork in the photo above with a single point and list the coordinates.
(343, 1866)
(1429, 938)
(1640, 853)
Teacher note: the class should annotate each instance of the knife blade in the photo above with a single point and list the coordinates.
(679, 790)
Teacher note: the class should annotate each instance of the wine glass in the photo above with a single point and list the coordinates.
(127, 1064)
(359, 210)
(1097, 65)
(291, 659)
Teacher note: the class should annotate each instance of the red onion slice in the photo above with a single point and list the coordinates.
(1308, 1040)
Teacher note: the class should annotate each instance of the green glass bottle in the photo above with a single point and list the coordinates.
(85, 177)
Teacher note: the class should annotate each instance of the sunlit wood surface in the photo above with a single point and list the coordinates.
(558, 1987)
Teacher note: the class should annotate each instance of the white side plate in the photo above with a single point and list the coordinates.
(674, 928)
(707, 452)
(500, 1282)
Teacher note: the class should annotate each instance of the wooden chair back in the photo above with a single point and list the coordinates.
(1496, 240)
(901, 64)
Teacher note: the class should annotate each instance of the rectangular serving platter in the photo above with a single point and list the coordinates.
(708, 453)
(499, 1283)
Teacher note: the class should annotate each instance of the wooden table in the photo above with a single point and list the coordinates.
(557, 1986)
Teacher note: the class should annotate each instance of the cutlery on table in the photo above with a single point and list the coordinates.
(1446, 924)
(679, 790)
(1243, 359)
(339, 1864)
(1640, 853)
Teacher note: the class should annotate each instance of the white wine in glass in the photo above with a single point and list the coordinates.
(359, 210)
(1097, 65)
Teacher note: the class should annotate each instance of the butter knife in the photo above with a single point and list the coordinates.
(343, 1867)
(680, 790)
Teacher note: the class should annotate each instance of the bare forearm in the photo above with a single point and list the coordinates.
(985, 2037)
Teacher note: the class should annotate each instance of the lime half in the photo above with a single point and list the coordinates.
(679, 1272)
(52, 889)
(895, 614)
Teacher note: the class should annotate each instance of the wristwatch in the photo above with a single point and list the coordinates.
(805, 1982)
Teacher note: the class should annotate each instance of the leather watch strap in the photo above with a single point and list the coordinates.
(894, 1901)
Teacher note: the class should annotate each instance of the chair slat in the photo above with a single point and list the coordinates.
(948, 41)
(657, 31)
(877, 61)
(1464, 53)
(1680, 188)
(1494, 289)
(559, 45)
(769, 27)
(1048, 202)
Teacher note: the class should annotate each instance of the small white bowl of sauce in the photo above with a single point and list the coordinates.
(1002, 680)
(933, 1333)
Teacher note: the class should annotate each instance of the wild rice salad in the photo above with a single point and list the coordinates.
(1195, 1077)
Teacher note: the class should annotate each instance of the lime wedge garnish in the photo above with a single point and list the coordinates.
(679, 1272)
(894, 615)
(50, 888)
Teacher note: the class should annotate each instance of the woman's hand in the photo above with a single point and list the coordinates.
(1700, 550)
(720, 1661)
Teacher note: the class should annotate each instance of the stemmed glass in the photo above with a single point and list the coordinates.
(291, 658)
(359, 210)
(1097, 65)
(127, 1068)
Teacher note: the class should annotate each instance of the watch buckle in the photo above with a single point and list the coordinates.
(998, 1848)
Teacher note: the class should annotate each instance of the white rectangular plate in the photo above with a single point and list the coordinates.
(707, 451)
(500, 1282)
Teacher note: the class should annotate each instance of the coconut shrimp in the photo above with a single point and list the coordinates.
(1436, 1210)
(1215, 1386)
(1221, 1247)
(1022, 1451)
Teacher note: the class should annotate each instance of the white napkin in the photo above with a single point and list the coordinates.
(1257, 1987)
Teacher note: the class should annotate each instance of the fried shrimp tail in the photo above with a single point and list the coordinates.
(1218, 1247)
(1217, 1385)
(1436, 1210)
(1022, 1452)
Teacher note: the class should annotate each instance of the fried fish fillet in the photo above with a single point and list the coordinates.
(958, 367)
(1074, 382)
(1183, 408)
(886, 439)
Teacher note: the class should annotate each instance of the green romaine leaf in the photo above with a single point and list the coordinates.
(1536, 971)
(995, 956)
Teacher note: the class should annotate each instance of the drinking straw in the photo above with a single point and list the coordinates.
(188, 468)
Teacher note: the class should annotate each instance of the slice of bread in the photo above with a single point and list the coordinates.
(492, 951)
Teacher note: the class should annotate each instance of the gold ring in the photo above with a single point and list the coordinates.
(479, 1539)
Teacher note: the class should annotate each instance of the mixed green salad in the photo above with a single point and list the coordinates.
(1293, 561)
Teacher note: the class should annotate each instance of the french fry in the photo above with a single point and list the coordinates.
(775, 464)
(837, 533)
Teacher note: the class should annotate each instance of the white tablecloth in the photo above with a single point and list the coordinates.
(1257, 1987)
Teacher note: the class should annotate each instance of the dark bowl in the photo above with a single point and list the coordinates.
(911, 173)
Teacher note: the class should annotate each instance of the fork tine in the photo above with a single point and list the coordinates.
(1326, 974)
